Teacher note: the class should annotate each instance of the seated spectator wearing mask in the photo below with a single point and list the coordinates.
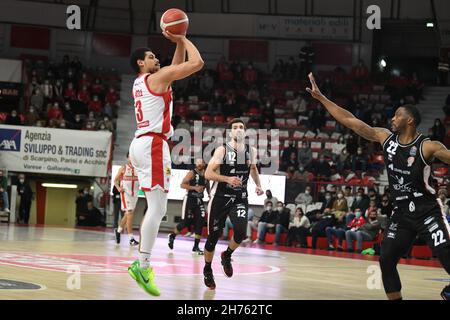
(305, 197)
(266, 222)
(282, 221)
(361, 202)
(328, 203)
(340, 207)
(367, 232)
(386, 206)
(298, 229)
(318, 229)
(92, 217)
(339, 230)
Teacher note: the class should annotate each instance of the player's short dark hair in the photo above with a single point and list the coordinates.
(413, 112)
(138, 54)
(236, 120)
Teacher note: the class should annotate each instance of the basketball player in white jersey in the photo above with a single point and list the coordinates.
(126, 182)
(149, 151)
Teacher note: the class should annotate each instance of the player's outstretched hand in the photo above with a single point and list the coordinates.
(173, 37)
(234, 181)
(314, 90)
(259, 191)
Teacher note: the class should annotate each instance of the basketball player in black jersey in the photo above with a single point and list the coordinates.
(417, 211)
(193, 210)
(229, 169)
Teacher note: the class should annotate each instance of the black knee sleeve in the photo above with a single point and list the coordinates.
(443, 255)
(389, 273)
(211, 241)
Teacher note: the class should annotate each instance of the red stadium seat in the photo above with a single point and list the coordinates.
(440, 172)
(219, 119)
(206, 118)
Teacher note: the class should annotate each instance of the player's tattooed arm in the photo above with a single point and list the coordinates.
(346, 118)
(435, 149)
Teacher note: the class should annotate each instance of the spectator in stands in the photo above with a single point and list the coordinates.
(207, 84)
(226, 76)
(291, 69)
(270, 198)
(305, 154)
(68, 115)
(303, 175)
(291, 162)
(84, 81)
(359, 161)
(386, 206)
(26, 197)
(95, 105)
(437, 132)
(348, 196)
(372, 208)
(321, 168)
(47, 90)
(374, 196)
(54, 115)
(362, 201)
(318, 229)
(32, 117)
(253, 96)
(108, 111)
(337, 230)
(317, 118)
(266, 223)
(287, 151)
(250, 75)
(299, 226)
(58, 90)
(4, 191)
(84, 95)
(37, 99)
(79, 123)
(278, 71)
(293, 174)
(13, 119)
(305, 197)
(282, 221)
(92, 217)
(70, 93)
(340, 207)
(299, 105)
(360, 73)
(367, 232)
(97, 87)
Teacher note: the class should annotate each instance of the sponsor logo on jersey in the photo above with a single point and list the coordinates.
(410, 161)
(412, 207)
(10, 139)
(413, 151)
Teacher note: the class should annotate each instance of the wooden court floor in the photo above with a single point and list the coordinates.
(72, 264)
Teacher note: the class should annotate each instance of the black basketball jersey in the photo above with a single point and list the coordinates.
(197, 180)
(234, 164)
(408, 172)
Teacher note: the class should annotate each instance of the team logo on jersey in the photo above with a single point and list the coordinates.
(412, 207)
(411, 161)
(10, 139)
(413, 151)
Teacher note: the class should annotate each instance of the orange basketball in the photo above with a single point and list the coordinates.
(175, 21)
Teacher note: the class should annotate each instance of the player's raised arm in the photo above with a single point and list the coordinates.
(347, 118)
(435, 149)
(254, 173)
(184, 69)
(180, 53)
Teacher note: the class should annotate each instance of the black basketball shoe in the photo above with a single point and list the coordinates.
(226, 264)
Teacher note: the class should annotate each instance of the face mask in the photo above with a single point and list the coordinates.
(301, 169)
(340, 196)
(280, 209)
(358, 197)
(86, 192)
(358, 214)
(269, 208)
(22, 180)
(327, 198)
(307, 192)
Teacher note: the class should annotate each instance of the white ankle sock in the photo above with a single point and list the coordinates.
(144, 260)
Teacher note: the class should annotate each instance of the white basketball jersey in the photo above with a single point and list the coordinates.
(129, 181)
(153, 110)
